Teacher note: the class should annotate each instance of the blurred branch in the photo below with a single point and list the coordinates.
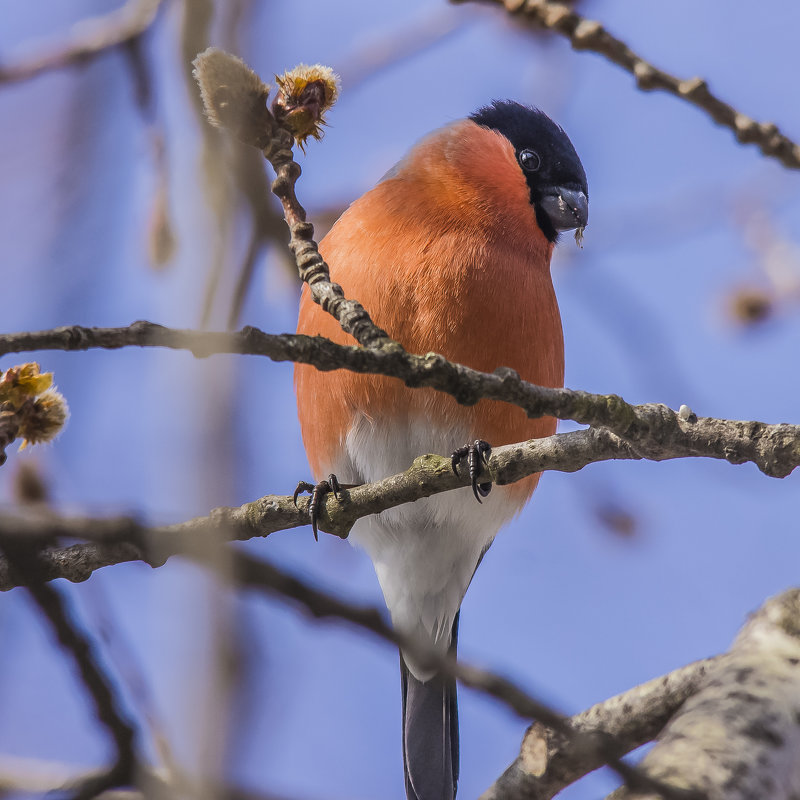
(393, 46)
(252, 573)
(738, 736)
(650, 431)
(266, 221)
(161, 238)
(34, 776)
(125, 661)
(89, 39)
(586, 34)
(22, 562)
(245, 278)
(197, 21)
(549, 761)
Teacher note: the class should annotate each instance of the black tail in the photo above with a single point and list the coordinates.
(430, 734)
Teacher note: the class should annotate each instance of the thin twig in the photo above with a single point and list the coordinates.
(587, 34)
(89, 39)
(313, 269)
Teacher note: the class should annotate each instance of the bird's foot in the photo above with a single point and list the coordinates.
(318, 493)
(476, 454)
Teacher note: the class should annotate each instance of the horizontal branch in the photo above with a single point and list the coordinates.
(652, 431)
(587, 34)
(119, 540)
(256, 574)
(89, 39)
(549, 761)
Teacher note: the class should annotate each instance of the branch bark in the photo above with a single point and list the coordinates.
(22, 561)
(587, 34)
(90, 38)
(651, 431)
(738, 737)
(118, 540)
(549, 761)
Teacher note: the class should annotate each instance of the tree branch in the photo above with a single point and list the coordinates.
(252, 573)
(119, 540)
(22, 562)
(549, 761)
(586, 34)
(652, 431)
(738, 737)
(314, 271)
(44, 778)
(90, 38)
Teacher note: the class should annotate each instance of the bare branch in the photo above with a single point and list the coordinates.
(22, 561)
(253, 573)
(738, 737)
(34, 776)
(352, 316)
(587, 34)
(549, 761)
(395, 45)
(118, 540)
(90, 38)
(652, 431)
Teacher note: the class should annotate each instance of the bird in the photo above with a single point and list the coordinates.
(449, 252)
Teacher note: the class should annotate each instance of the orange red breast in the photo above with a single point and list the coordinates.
(446, 255)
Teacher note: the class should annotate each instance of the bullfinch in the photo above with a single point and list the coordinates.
(450, 252)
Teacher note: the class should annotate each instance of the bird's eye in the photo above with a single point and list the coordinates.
(530, 161)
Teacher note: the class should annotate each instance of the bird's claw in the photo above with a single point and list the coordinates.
(476, 454)
(318, 492)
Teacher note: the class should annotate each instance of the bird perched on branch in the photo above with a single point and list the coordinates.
(450, 252)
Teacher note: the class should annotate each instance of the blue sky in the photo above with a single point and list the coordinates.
(571, 609)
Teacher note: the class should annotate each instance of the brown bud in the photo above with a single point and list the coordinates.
(29, 486)
(305, 95)
(751, 306)
(43, 418)
(29, 408)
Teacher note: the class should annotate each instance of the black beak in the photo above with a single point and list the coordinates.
(565, 208)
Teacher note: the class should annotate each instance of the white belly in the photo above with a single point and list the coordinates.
(424, 552)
